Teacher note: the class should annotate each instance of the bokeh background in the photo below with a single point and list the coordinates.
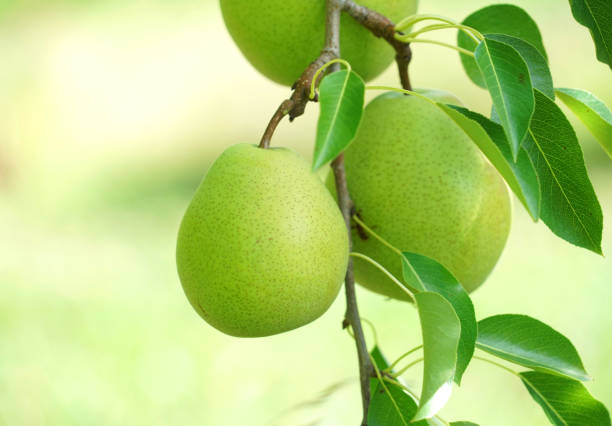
(110, 114)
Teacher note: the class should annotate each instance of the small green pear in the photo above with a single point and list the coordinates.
(280, 38)
(263, 247)
(421, 184)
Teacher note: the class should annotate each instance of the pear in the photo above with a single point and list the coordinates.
(422, 185)
(263, 247)
(280, 38)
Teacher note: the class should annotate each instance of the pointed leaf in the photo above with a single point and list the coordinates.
(490, 138)
(498, 19)
(531, 343)
(341, 95)
(539, 72)
(569, 205)
(592, 112)
(507, 79)
(566, 402)
(441, 333)
(434, 277)
(596, 15)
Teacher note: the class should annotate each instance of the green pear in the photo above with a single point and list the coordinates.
(263, 247)
(422, 185)
(282, 37)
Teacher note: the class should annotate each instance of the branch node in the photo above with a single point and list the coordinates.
(383, 27)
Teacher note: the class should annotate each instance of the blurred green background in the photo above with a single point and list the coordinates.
(110, 114)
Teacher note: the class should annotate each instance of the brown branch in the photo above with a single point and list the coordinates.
(351, 317)
(383, 27)
(296, 105)
(380, 26)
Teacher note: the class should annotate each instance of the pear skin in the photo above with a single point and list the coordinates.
(280, 38)
(262, 248)
(419, 182)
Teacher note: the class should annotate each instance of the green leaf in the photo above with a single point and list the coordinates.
(596, 15)
(531, 343)
(441, 333)
(341, 95)
(498, 19)
(569, 205)
(508, 81)
(463, 424)
(566, 402)
(490, 138)
(539, 72)
(428, 275)
(383, 410)
(592, 112)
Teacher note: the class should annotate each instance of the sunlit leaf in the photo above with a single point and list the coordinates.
(569, 205)
(341, 95)
(531, 343)
(498, 19)
(566, 402)
(507, 79)
(434, 277)
(441, 333)
(539, 72)
(596, 15)
(592, 112)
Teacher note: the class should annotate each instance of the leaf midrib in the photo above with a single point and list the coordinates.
(337, 109)
(555, 412)
(526, 360)
(499, 84)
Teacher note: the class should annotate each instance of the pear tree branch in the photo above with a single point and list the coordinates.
(351, 316)
(295, 106)
(383, 27)
(377, 24)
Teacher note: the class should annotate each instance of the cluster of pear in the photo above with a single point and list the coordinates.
(263, 248)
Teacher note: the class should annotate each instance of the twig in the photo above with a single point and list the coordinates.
(296, 105)
(380, 26)
(351, 317)
(383, 27)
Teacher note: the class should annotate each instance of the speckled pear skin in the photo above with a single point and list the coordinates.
(421, 184)
(263, 247)
(280, 38)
